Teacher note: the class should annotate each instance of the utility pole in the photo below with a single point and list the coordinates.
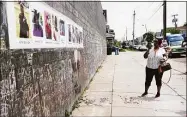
(164, 20)
(175, 20)
(133, 25)
(146, 28)
(126, 33)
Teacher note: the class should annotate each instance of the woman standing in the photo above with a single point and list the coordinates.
(154, 55)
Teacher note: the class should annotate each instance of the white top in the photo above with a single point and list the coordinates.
(153, 60)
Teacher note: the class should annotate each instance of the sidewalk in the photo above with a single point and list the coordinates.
(116, 88)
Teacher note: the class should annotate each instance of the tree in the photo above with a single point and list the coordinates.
(117, 43)
(172, 31)
(149, 36)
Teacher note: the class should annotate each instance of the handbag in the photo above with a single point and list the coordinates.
(164, 66)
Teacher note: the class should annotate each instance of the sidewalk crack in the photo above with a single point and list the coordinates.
(112, 88)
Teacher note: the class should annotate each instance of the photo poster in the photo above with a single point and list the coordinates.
(75, 35)
(37, 25)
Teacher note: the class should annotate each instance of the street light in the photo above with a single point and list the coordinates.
(145, 30)
(145, 27)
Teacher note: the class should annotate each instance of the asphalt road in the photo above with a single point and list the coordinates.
(178, 62)
(181, 59)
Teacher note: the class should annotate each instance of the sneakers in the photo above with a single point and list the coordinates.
(144, 94)
(157, 95)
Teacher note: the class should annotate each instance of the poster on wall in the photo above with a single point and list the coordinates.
(22, 20)
(62, 31)
(70, 40)
(75, 38)
(37, 25)
(48, 27)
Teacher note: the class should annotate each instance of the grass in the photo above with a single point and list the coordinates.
(130, 49)
(98, 69)
(122, 50)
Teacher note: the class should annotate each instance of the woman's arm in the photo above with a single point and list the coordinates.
(146, 54)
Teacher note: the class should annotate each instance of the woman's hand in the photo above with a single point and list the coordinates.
(146, 54)
(168, 49)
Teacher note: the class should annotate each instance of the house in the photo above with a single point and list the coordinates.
(182, 30)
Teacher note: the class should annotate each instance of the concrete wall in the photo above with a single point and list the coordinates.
(46, 82)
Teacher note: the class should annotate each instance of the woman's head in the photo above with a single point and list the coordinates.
(21, 8)
(157, 43)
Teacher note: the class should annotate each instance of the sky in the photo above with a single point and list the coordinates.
(120, 16)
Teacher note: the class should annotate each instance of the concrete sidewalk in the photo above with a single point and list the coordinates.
(116, 89)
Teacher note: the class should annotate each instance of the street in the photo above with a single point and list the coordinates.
(180, 59)
(118, 85)
(178, 63)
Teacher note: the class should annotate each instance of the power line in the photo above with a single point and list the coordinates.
(147, 7)
(139, 21)
(151, 4)
(155, 12)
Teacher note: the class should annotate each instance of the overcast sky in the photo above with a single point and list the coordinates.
(120, 16)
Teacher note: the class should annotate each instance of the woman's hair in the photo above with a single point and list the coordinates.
(158, 41)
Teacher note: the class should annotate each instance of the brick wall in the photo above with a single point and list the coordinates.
(46, 82)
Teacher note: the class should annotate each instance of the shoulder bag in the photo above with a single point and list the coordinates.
(165, 66)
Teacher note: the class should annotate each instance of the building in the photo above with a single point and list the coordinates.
(110, 35)
(138, 40)
(182, 30)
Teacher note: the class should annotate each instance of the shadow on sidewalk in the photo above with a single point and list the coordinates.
(182, 113)
(147, 98)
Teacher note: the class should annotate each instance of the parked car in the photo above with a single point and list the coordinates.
(127, 47)
(175, 43)
(143, 48)
(137, 47)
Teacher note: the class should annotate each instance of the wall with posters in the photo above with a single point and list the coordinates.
(48, 55)
(37, 25)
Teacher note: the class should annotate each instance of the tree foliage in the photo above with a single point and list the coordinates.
(149, 36)
(172, 31)
(117, 43)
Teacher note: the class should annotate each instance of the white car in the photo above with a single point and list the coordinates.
(143, 48)
(138, 46)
